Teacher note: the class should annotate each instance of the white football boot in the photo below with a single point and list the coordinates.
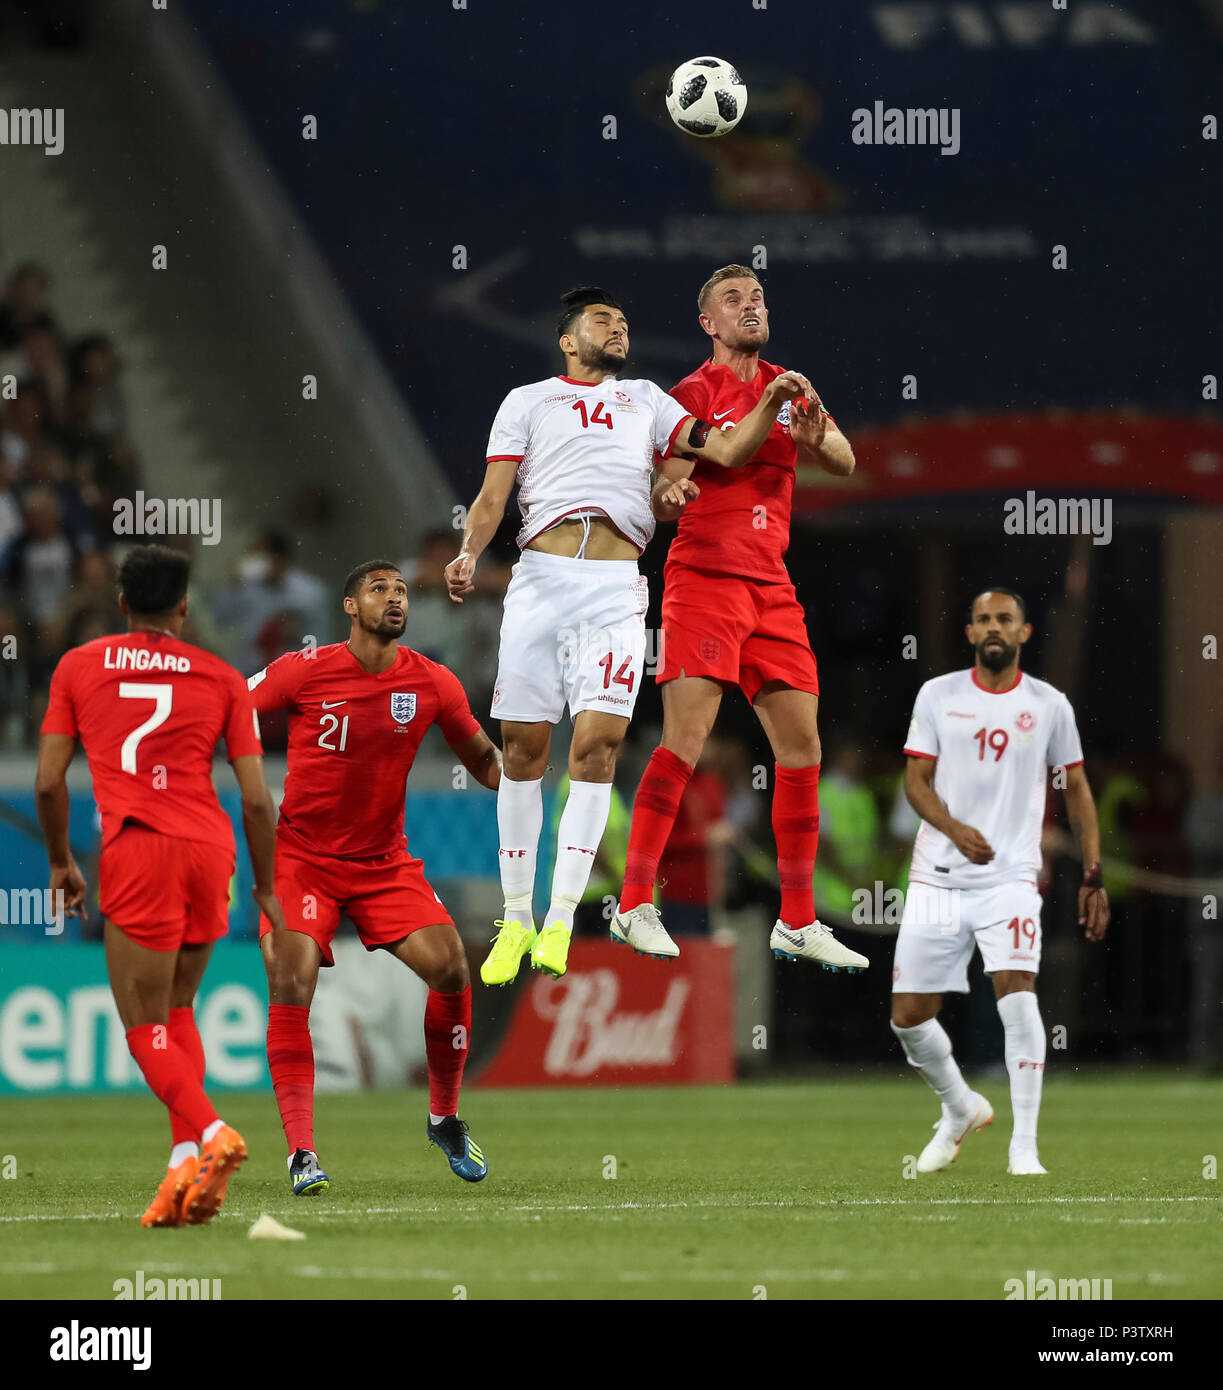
(1023, 1160)
(642, 929)
(816, 943)
(950, 1131)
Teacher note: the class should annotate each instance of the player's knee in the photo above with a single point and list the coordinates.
(804, 752)
(909, 1015)
(687, 743)
(287, 985)
(452, 977)
(594, 762)
(524, 760)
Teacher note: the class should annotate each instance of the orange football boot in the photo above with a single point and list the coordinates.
(220, 1158)
(166, 1207)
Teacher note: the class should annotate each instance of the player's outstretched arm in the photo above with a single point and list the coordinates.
(919, 788)
(734, 447)
(51, 798)
(1081, 811)
(259, 823)
(481, 757)
(483, 517)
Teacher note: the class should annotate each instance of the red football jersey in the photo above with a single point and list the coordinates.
(149, 710)
(722, 530)
(353, 739)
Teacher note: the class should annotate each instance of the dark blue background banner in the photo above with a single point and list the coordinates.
(484, 129)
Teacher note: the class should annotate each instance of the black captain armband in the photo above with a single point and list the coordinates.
(698, 434)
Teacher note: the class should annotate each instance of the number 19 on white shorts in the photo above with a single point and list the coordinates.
(940, 926)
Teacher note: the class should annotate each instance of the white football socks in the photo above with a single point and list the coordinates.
(211, 1130)
(928, 1049)
(1025, 1062)
(581, 828)
(182, 1151)
(520, 818)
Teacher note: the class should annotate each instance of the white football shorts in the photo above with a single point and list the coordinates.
(573, 633)
(940, 926)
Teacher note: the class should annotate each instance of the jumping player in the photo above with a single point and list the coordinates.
(580, 447)
(730, 617)
(149, 709)
(978, 748)
(358, 711)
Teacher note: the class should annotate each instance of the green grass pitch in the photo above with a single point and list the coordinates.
(793, 1188)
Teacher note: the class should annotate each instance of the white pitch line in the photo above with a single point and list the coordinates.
(486, 1213)
(75, 1216)
(746, 1277)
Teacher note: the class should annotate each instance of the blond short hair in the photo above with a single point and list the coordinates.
(728, 272)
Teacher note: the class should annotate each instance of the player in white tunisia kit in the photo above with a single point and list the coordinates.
(581, 448)
(979, 747)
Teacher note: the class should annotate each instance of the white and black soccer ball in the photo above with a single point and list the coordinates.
(706, 97)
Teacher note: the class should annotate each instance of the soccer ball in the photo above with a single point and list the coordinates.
(706, 97)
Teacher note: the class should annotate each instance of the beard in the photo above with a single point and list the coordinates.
(747, 339)
(997, 658)
(595, 359)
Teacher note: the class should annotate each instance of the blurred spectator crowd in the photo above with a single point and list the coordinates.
(66, 459)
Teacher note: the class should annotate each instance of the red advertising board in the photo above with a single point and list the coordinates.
(619, 1019)
(1116, 453)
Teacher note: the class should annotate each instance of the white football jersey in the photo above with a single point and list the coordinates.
(993, 752)
(585, 448)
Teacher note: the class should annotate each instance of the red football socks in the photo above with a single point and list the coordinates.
(186, 1036)
(291, 1062)
(171, 1075)
(447, 1038)
(654, 811)
(796, 828)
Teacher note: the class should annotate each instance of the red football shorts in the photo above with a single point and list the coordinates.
(163, 892)
(745, 631)
(387, 898)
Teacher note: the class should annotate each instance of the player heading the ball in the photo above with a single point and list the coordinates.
(730, 616)
(979, 748)
(581, 447)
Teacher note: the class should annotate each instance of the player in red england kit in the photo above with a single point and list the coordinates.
(730, 616)
(358, 711)
(149, 709)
